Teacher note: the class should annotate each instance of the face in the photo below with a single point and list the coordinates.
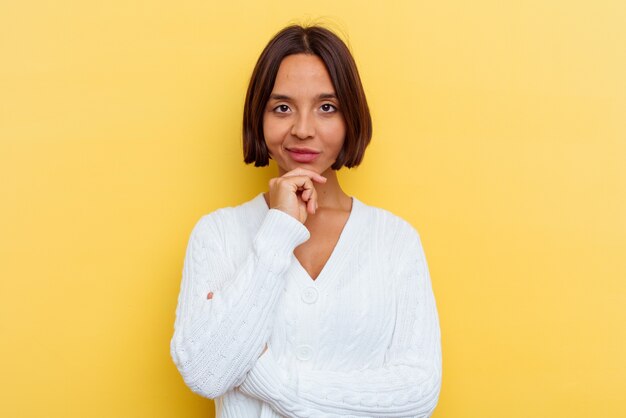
(302, 123)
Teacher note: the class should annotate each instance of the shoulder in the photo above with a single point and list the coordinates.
(398, 243)
(393, 238)
(387, 223)
(229, 221)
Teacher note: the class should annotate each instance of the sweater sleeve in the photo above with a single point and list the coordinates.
(408, 383)
(217, 340)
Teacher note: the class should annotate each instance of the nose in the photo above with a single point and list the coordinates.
(303, 126)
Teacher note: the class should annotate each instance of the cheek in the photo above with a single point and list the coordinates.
(269, 133)
(335, 133)
(272, 130)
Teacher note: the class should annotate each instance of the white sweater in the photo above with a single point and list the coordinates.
(363, 339)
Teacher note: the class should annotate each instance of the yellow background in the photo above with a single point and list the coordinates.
(500, 135)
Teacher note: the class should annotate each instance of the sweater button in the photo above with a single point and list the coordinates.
(309, 295)
(304, 352)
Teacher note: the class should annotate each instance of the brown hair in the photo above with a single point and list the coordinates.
(341, 67)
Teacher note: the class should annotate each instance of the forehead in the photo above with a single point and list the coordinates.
(303, 72)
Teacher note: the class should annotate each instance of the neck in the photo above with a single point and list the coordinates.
(330, 194)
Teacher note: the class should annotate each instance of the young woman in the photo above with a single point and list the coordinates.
(304, 301)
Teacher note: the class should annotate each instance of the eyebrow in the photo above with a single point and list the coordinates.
(321, 96)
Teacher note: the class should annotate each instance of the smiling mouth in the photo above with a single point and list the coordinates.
(303, 150)
(302, 155)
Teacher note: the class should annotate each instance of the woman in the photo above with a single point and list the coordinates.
(304, 301)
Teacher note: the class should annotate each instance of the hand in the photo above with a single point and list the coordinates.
(294, 193)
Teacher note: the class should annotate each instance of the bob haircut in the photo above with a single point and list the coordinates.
(314, 40)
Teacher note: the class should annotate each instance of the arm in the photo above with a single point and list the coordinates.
(217, 340)
(407, 385)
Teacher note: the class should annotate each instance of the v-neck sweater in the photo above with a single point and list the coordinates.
(362, 339)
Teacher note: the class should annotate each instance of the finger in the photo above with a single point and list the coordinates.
(310, 174)
(309, 191)
(310, 194)
(299, 182)
(301, 186)
(305, 172)
(307, 187)
(312, 202)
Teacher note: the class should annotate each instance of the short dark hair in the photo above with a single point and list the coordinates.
(314, 40)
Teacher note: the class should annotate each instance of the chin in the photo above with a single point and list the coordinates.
(293, 165)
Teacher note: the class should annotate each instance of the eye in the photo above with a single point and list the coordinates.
(283, 108)
(328, 108)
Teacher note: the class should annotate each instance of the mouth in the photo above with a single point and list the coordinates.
(302, 155)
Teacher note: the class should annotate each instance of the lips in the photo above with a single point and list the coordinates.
(302, 155)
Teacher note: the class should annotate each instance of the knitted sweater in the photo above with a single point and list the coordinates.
(363, 339)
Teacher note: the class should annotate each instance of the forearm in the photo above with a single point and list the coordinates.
(217, 340)
(402, 390)
(407, 383)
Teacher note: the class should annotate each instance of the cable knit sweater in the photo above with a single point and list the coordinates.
(363, 339)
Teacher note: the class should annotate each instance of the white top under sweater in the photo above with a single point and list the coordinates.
(363, 339)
